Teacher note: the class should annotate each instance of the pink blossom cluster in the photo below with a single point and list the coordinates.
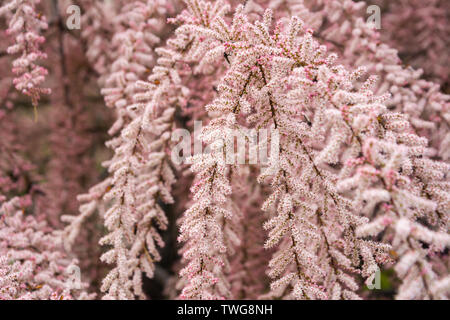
(32, 262)
(25, 25)
(356, 185)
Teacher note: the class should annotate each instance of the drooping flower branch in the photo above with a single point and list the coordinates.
(335, 86)
(25, 25)
(135, 215)
(342, 26)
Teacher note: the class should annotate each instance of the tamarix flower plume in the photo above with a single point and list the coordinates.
(321, 167)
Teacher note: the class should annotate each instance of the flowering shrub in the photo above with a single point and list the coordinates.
(339, 177)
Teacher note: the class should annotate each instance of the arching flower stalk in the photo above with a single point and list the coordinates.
(25, 25)
(321, 87)
(133, 162)
(246, 75)
(342, 26)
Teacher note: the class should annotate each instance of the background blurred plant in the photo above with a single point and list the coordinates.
(359, 119)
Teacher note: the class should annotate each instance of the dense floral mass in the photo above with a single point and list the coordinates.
(345, 195)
